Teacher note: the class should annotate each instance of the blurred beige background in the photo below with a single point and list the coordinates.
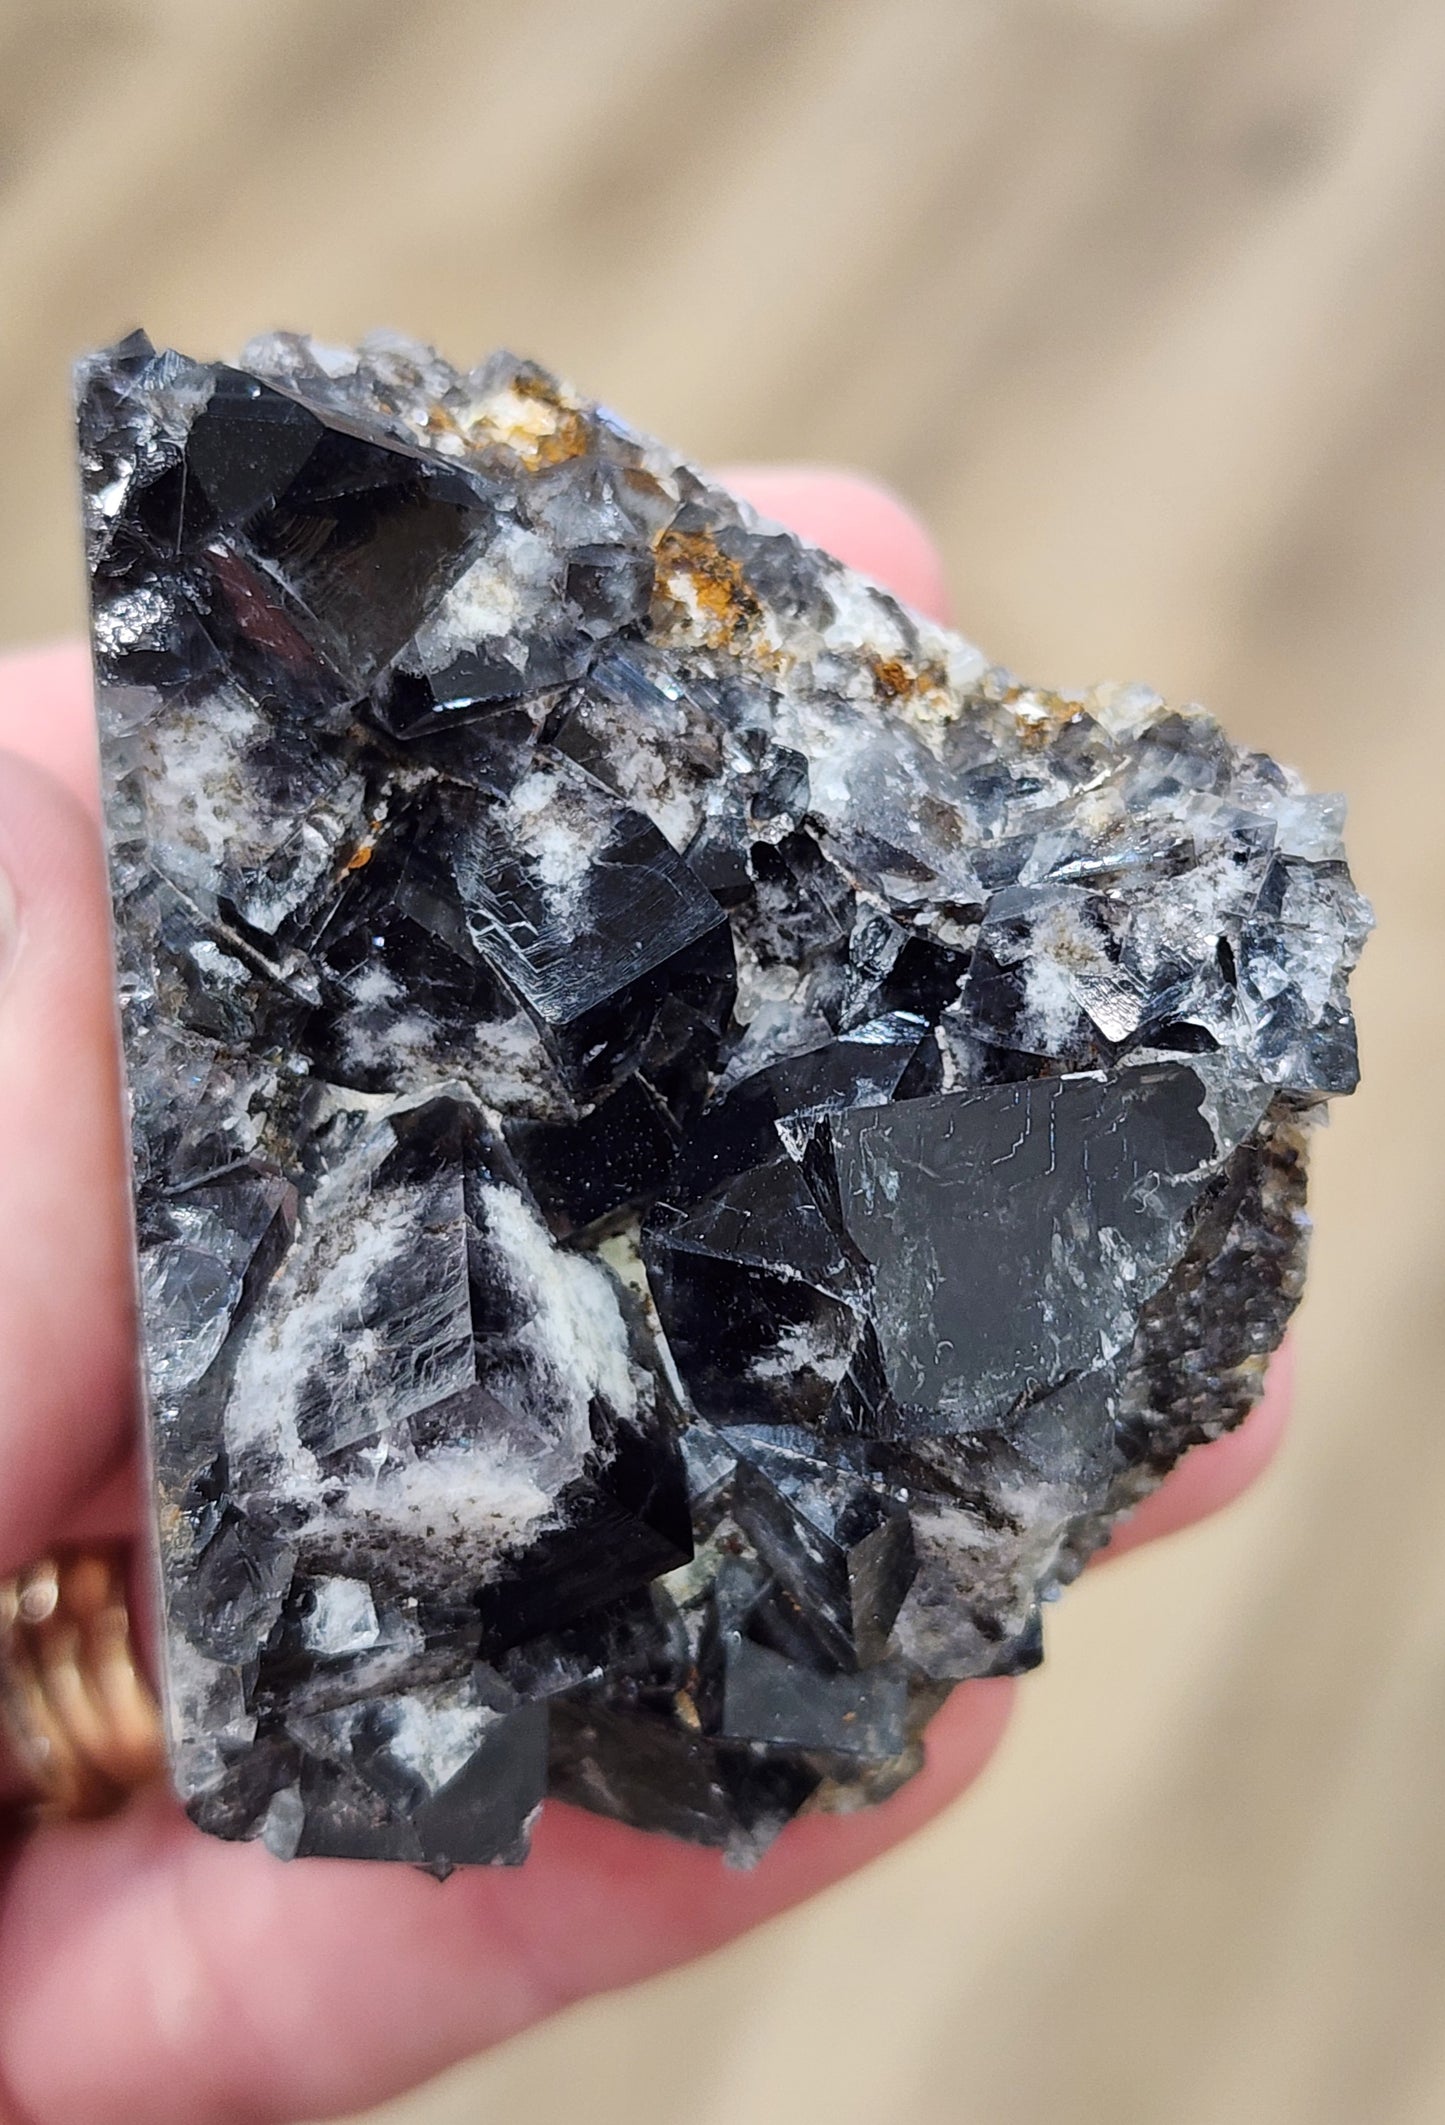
(1141, 303)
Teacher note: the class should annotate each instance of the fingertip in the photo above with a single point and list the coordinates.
(855, 517)
(47, 716)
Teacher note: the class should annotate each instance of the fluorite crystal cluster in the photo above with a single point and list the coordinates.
(694, 1143)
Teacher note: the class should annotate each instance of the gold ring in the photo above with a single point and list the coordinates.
(79, 1716)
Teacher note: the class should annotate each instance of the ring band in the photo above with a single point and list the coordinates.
(79, 1716)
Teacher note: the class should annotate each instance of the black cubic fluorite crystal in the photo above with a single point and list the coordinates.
(694, 1144)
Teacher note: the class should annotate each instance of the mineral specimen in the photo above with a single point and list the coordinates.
(695, 1145)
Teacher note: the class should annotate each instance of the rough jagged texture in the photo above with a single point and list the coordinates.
(694, 1143)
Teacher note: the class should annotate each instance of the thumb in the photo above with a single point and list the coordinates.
(66, 1307)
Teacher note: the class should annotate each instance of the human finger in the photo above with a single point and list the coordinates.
(66, 1319)
(47, 715)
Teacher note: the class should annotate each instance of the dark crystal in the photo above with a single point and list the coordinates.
(695, 1145)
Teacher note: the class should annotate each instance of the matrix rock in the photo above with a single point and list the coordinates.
(695, 1145)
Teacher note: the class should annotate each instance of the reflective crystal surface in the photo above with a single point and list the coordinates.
(695, 1144)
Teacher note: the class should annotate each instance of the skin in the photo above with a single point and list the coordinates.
(146, 1970)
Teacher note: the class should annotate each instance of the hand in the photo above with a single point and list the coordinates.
(147, 1971)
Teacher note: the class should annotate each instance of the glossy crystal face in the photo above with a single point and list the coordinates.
(694, 1144)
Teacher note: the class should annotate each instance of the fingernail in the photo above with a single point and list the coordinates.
(9, 924)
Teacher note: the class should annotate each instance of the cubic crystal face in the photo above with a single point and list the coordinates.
(695, 1145)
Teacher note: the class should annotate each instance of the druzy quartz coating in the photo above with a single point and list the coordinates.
(695, 1144)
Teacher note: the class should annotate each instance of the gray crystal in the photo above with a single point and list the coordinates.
(695, 1144)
